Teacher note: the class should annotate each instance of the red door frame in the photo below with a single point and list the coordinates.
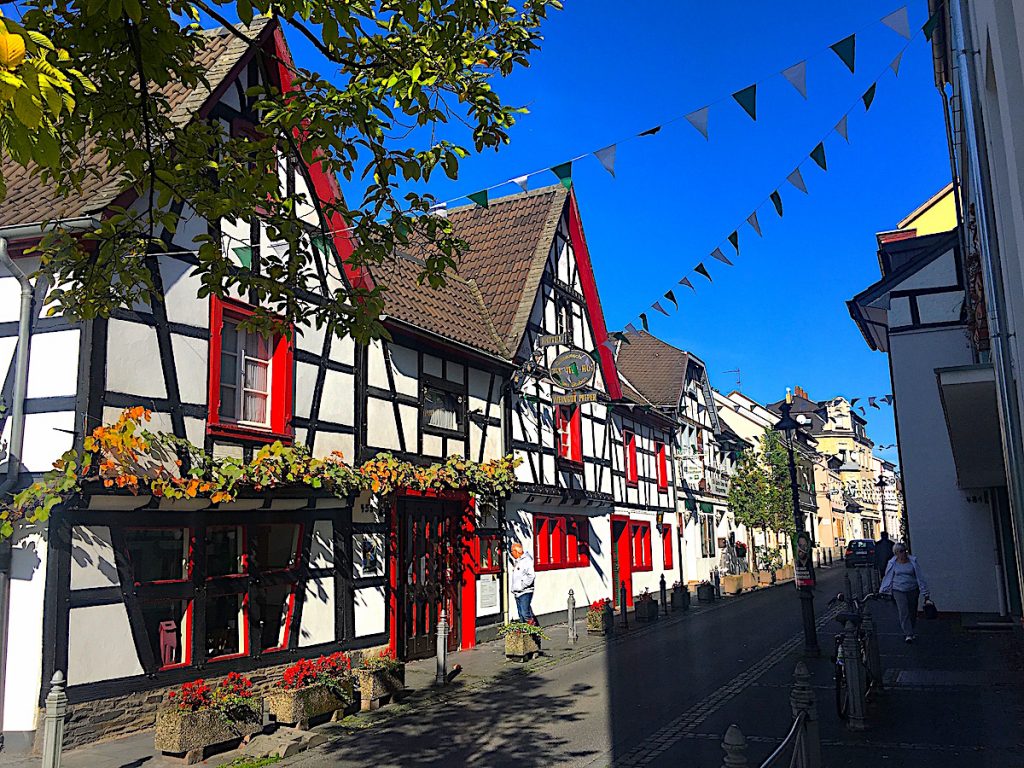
(470, 564)
(625, 549)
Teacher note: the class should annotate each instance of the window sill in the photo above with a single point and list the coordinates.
(632, 483)
(252, 434)
(455, 434)
(571, 465)
(642, 568)
(560, 566)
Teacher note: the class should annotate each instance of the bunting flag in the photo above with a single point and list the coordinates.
(797, 77)
(686, 281)
(699, 120)
(657, 305)
(620, 336)
(650, 131)
(797, 180)
(777, 201)
(894, 65)
(888, 399)
(522, 182)
(898, 22)
(747, 98)
(754, 224)
(644, 323)
(846, 50)
(843, 129)
(630, 328)
(480, 198)
(606, 157)
(700, 269)
(672, 297)
(872, 403)
(717, 253)
(869, 96)
(854, 401)
(818, 155)
(861, 409)
(734, 238)
(564, 173)
(929, 26)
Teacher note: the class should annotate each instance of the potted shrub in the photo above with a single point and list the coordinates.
(679, 598)
(646, 607)
(381, 677)
(600, 617)
(522, 640)
(706, 592)
(198, 718)
(310, 689)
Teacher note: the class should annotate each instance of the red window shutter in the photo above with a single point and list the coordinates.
(666, 543)
(576, 432)
(541, 541)
(558, 551)
(662, 467)
(629, 445)
(648, 559)
(583, 540)
(563, 433)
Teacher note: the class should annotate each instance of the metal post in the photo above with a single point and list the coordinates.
(53, 733)
(735, 747)
(830, 558)
(442, 649)
(875, 580)
(664, 596)
(802, 699)
(572, 618)
(854, 679)
(871, 638)
(861, 579)
(848, 595)
(622, 604)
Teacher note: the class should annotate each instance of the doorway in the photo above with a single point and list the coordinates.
(622, 560)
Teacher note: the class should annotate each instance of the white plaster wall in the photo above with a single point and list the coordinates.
(92, 558)
(53, 364)
(133, 360)
(338, 400)
(47, 436)
(370, 611)
(25, 633)
(181, 291)
(938, 511)
(382, 432)
(100, 645)
(317, 613)
(305, 381)
(326, 443)
(322, 550)
(191, 362)
(404, 362)
(376, 372)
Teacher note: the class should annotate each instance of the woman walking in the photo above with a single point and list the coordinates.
(903, 580)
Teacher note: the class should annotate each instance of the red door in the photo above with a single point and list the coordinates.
(622, 560)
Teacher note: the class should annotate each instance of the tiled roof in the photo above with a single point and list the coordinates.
(29, 199)
(656, 369)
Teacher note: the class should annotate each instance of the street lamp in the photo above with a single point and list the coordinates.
(804, 564)
(880, 485)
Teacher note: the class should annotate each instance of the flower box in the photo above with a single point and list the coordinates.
(521, 646)
(192, 735)
(706, 592)
(600, 622)
(646, 610)
(298, 707)
(379, 686)
(679, 599)
(732, 585)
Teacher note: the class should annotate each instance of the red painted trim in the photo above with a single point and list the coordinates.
(666, 546)
(624, 544)
(662, 456)
(470, 563)
(646, 553)
(589, 285)
(629, 458)
(393, 612)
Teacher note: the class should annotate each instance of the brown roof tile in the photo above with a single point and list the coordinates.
(657, 370)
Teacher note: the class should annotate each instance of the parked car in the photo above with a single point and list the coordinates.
(860, 552)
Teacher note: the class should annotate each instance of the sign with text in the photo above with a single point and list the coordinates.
(573, 369)
(574, 397)
(555, 340)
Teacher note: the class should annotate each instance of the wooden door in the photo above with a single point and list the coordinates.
(622, 563)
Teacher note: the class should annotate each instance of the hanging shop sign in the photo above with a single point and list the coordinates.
(573, 398)
(573, 369)
(555, 340)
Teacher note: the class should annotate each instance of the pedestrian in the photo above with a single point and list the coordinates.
(883, 553)
(904, 581)
(522, 581)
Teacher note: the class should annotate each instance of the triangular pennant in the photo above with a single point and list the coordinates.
(650, 131)
(777, 201)
(754, 223)
(898, 22)
(244, 255)
(609, 344)
(699, 120)
(747, 98)
(846, 50)
(522, 182)
(686, 281)
(700, 269)
(480, 198)
(888, 399)
(842, 128)
(869, 96)
(717, 254)
(620, 336)
(894, 65)
(861, 409)
(643, 322)
(797, 180)
(929, 26)
(854, 401)
(657, 305)
(734, 238)
(818, 155)
(564, 173)
(630, 328)
(606, 157)
(672, 297)
(872, 403)
(797, 77)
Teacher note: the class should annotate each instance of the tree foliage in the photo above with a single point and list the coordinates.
(89, 96)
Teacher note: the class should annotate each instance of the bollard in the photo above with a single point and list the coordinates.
(854, 679)
(802, 699)
(871, 638)
(572, 618)
(862, 582)
(735, 747)
(664, 596)
(622, 604)
(56, 709)
(830, 558)
(848, 595)
(818, 557)
(441, 677)
(875, 581)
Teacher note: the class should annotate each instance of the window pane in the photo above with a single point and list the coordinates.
(274, 603)
(225, 626)
(256, 375)
(256, 346)
(441, 409)
(254, 408)
(167, 630)
(228, 369)
(229, 337)
(224, 548)
(228, 408)
(158, 554)
(276, 545)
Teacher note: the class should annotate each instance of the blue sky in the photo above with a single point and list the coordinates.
(607, 71)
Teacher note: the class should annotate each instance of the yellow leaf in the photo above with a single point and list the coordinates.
(12, 50)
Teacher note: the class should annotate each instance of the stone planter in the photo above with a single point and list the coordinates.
(678, 599)
(521, 646)
(785, 573)
(646, 610)
(706, 593)
(379, 686)
(732, 585)
(600, 622)
(193, 735)
(301, 706)
(764, 578)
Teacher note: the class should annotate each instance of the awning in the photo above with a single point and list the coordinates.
(968, 395)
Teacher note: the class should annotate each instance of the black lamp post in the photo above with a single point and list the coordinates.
(804, 564)
(880, 485)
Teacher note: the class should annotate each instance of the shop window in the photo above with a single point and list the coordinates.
(629, 457)
(570, 434)
(251, 376)
(707, 534)
(226, 625)
(640, 538)
(158, 554)
(443, 409)
(560, 542)
(276, 605)
(666, 545)
(168, 627)
(490, 554)
(662, 458)
(225, 551)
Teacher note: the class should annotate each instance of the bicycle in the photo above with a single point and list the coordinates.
(855, 616)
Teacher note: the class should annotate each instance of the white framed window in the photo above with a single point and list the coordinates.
(442, 409)
(245, 361)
